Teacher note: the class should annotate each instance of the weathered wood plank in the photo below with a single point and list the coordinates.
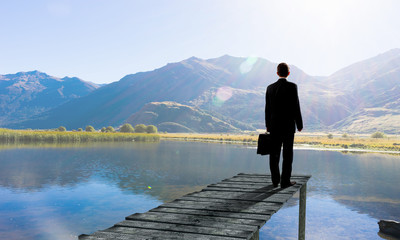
(184, 228)
(168, 234)
(268, 176)
(245, 179)
(204, 212)
(291, 191)
(260, 208)
(249, 196)
(122, 233)
(269, 188)
(220, 200)
(197, 220)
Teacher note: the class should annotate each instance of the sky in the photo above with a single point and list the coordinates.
(102, 41)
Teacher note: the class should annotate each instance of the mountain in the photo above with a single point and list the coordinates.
(232, 90)
(372, 89)
(26, 94)
(371, 83)
(370, 120)
(175, 117)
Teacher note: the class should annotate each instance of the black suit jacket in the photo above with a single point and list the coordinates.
(282, 107)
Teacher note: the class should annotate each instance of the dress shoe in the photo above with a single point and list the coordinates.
(288, 185)
(275, 185)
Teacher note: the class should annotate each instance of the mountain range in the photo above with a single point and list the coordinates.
(26, 94)
(225, 94)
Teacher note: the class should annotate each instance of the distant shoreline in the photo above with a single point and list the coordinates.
(359, 144)
(9, 136)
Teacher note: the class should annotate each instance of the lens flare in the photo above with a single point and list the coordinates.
(247, 65)
(222, 95)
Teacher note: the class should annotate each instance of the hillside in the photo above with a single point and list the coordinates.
(175, 117)
(26, 94)
(372, 88)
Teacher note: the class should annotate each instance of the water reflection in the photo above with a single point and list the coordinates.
(368, 183)
(82, 188)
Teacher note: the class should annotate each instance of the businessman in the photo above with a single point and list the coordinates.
(282, 117)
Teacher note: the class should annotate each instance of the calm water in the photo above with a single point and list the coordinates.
(61, 192)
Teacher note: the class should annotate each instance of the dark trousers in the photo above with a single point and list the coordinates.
(278, 140)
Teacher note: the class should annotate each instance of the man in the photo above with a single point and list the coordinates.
(282, 117)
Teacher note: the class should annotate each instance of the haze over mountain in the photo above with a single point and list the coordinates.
(232, 90)
(26, 94)
(373, 88)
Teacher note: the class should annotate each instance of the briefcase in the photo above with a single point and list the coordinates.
(264, 144)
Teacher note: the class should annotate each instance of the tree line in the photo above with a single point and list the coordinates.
(126, 128)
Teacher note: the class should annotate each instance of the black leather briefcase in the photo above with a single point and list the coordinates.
(264, 144)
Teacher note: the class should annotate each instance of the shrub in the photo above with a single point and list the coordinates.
(140, 128)
(80, 130)
(378, 135)
(151, 129)
(127, 128)
(110, 129)
(344, 135)
(61, 129)
(103, 129)
(330, 136)
(89, 129)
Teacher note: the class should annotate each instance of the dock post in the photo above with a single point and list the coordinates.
(302, 212)
(256, 235)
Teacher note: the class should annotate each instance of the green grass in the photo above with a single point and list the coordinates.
(35, 136)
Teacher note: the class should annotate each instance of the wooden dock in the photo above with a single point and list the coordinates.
(235, 208)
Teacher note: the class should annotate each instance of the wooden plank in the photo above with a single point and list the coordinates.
(245, 184)
(121, 233)
(211, 200)
(264, 183)
(249, 196)
(260, 208)
(197, 220)
(267, 175)
(243, 199)
(291, 191)
(247, 180)
(269, 188)
(203, 212)
(260, 179)
(168, 234)
(187, 228)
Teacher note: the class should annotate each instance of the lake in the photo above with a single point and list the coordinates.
(60, 192)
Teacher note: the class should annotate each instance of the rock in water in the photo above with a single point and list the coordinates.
(390, 227)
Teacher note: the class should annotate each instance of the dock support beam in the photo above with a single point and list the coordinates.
(302, 212)
(256, 235)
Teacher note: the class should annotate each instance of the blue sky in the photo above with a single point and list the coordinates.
(102, 41)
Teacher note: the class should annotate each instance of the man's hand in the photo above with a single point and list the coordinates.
(299, 130)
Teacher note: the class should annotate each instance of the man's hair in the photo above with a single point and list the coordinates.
(283, 70)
